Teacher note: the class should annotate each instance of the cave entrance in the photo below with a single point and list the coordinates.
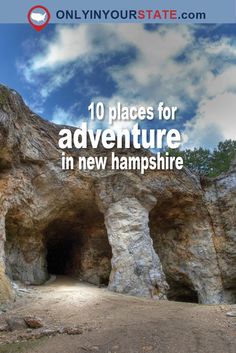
(62, 243)
(170, 223)
(74, 243)
(77, 246)
(181, 291)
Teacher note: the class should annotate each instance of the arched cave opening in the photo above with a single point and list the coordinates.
(181, 291)
(169, 229)
(77, 245)
(73, 243)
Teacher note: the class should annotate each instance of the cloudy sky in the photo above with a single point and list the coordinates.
(62, 69)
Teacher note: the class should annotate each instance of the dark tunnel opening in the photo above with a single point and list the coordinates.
(60, 249)
(79, 248)
(181, 292)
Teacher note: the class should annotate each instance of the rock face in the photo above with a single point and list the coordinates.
(136, 268)
(161, 235)
(183, 238)
(221, 202)
(5, 286)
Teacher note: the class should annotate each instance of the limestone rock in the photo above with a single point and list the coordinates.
(4, 327)
(6, 292)
(221, 203)
(72, 330)
(16, 323)
(136, 268)
(231, 313)
(33, 322)
(160, 234)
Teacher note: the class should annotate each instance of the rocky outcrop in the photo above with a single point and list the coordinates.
(6, 292)
(161, 234)
(182, 233)
(220, 195)
(136, 268)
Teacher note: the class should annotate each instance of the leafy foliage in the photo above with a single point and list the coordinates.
(208, 163)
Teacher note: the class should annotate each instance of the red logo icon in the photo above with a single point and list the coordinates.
(38, 17)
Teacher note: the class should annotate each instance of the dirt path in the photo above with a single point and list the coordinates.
(113, 323)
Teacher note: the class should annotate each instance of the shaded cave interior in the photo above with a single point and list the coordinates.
(169, 223)
(73, 243)
(78, 246)
(63, 245)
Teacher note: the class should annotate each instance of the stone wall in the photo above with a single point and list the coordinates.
(220, 195)
(163, 234)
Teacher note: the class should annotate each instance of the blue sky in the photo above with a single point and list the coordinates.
(60, 70)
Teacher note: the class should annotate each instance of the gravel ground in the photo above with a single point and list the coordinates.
(114, 323)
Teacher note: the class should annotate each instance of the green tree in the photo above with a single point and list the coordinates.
(222, 157)
(204, 162)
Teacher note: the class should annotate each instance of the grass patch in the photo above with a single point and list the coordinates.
(20, 347)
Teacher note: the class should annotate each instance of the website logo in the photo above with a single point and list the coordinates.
(39, 17)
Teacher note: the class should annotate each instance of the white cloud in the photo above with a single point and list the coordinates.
(215, 121)
(156, 50)
(221, 47)
(69, 44)
(205, 77)
(56, 81)
(221, 83)
(61, 116)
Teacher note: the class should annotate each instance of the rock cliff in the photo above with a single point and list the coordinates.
(163, 234)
